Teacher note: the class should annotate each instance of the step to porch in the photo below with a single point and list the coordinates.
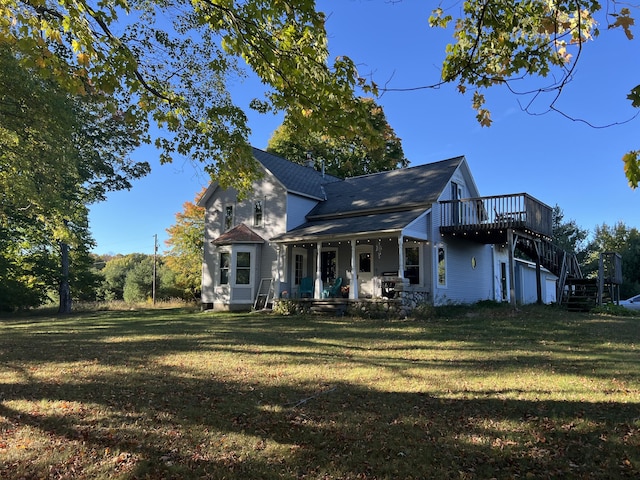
(329, 306)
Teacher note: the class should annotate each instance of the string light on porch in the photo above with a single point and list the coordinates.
(379, 249)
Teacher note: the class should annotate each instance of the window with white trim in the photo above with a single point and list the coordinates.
(257, 213)
(225, 264)
(243, 268)
(228, 217)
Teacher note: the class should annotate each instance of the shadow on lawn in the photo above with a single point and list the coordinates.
(176, 422)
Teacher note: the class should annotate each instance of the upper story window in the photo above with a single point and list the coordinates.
(228, 217)
(257, 214)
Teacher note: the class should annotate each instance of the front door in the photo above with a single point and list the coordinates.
(364, 259)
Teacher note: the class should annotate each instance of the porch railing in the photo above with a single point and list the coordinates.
(519, 211)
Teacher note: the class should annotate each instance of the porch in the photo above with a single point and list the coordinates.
(382, 268)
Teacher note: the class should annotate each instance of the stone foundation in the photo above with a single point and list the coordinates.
(407, 299)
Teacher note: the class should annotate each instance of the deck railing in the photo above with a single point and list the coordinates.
(520, 211)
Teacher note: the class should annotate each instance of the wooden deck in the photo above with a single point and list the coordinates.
(486, 219)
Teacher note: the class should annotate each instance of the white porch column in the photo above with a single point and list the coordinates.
(276, 287)
(317, 290)
(401, 256)
(353, 288)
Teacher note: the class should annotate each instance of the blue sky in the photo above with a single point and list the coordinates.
(555, 159)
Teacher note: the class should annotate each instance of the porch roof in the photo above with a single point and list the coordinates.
(347, 227)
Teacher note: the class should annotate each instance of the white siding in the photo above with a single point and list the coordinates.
(526, 285)
(274, 205)
(418, 228)
(469, 271)
(297, 208)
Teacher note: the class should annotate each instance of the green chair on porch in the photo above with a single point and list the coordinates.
(305, 289)
(334, 290)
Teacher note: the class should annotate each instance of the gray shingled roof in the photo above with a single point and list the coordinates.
(294, 177)
(387, 222)
(402, 188)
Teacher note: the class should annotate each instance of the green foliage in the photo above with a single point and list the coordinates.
(501, 42)
(186, 249)
(617, 310)
(568, 235)
(113, 48)
(424, 311)
(286, 307)
(115, 274)
(621, 239)
(130, 278)
(346, 153)
(58, 153)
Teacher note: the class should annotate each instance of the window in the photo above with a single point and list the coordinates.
(442, 266)
(412, 264)
(228, 217)
(257, 214)
(243, 268)
(225, 263)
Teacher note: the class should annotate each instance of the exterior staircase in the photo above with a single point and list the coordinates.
(565, 266)
(530, 222)
(581, 294)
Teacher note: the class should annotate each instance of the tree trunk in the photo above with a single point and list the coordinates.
(65, 290)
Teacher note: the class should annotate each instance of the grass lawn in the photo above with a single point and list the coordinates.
(489, 393)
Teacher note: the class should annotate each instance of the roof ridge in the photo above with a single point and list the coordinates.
(412, 167)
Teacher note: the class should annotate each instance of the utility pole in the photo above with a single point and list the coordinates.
(155, 257)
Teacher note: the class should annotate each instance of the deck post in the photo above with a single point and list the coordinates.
(512, 273)
(538, 273)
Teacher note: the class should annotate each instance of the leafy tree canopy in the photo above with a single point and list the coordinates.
(186, 248)
(170, 64)
(58, 153)
(568, 235)
(624, 240)
(344, 154)
(499, 42)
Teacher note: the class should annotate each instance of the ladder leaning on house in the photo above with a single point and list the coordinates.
(264, 295)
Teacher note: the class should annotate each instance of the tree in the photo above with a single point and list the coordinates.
(186, 248)
(346, 154)
(115, 274)
(568, 235)
(499, 42)
(624, 240)
(170, 64)
(58, 153)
